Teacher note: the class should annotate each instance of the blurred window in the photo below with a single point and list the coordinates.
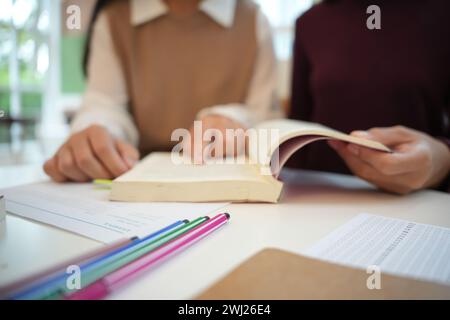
(24, 56)
(282, 15)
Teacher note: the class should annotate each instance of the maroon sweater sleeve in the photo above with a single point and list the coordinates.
(348, 77)
(301, 90)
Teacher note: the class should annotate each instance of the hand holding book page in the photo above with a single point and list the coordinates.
(418, 161)
(294, 135)
(161, 178)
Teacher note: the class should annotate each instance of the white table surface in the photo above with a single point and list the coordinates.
(313, 205)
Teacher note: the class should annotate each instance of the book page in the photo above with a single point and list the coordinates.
(159, 167)
(86, 210)
(277, 140)
(396, 246)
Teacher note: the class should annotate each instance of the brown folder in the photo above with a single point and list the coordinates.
(274, 274)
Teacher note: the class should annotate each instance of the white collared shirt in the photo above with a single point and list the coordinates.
(105, 101)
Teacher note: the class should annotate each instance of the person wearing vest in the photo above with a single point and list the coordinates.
(155, 66)
(393, 83)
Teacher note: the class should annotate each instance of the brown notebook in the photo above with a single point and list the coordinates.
(274, 274)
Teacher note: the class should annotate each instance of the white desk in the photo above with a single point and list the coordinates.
(315, 204)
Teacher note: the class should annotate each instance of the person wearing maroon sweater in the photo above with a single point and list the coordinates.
(392, 84)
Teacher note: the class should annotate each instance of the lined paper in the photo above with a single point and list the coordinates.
(86, 210)
(396, 246)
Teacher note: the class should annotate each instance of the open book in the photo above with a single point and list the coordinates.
(253, 178)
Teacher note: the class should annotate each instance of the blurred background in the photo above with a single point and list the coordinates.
(41, 81)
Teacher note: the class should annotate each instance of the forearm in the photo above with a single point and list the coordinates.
(105, 100)
(444, 185)
(261, 100)
(116, 120)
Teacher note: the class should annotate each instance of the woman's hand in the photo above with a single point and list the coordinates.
(418, 161)
(91, 154)
(213, 133)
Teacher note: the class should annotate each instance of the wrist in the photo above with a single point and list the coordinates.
(443, 181)
(233, 112)
(446, 143)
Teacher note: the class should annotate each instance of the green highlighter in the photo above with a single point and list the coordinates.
(98, 270)
(103, 183)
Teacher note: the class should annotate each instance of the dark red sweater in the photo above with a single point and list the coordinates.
(349, 77)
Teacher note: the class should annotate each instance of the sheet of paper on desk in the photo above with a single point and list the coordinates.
(83, 209)
(396, 246)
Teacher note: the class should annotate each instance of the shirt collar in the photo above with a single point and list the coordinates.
(221, 11)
